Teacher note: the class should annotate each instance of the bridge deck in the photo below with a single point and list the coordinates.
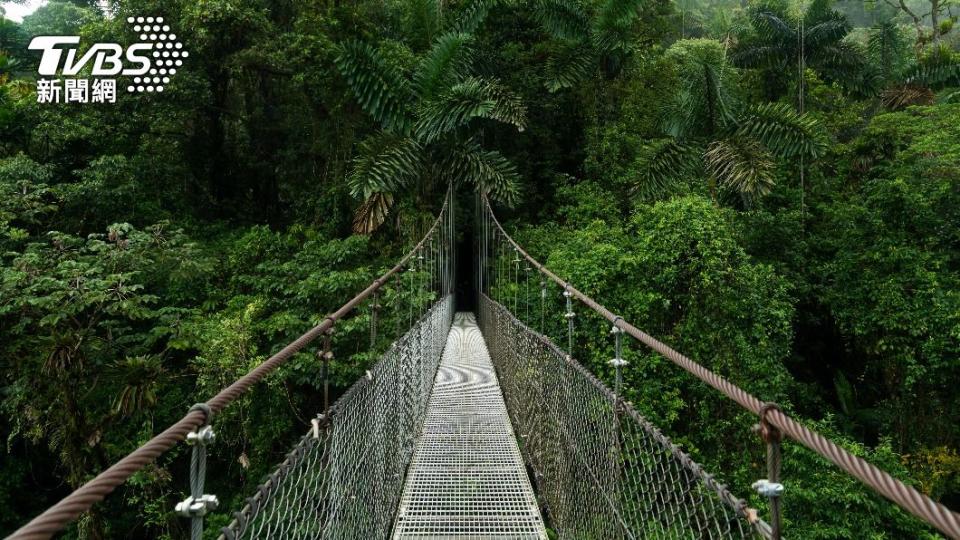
(467, 478)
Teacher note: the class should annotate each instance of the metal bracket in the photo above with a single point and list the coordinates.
(191, 507)
(767, 488)
(618, 361)
(203, 437)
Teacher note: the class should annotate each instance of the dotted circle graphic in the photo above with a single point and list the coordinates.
(167, 53)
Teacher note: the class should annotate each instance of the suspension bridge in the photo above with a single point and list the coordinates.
(476, 425)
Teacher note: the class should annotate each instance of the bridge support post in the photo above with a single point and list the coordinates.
(569, 315)
(771, 487)
(198, 504)
(326, 355)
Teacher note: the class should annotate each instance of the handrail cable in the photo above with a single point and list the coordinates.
(83, 498)
(880, 481)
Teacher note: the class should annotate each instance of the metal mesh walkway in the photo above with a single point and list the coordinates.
(467, 478)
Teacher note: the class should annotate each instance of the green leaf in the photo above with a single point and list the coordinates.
(783, 131)
(569, 65)
(385, 163)
(447, 61)
(742, 165)
(488, 170)
(563, 19)
(378, 86)
(660, 165)
(472, 98)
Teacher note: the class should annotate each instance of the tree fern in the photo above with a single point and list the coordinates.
(381, 91)
(782, 130)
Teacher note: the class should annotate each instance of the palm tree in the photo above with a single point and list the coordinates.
(782, 42)
(903, 79)
(429, 134)
(584, 39)
(709, 133)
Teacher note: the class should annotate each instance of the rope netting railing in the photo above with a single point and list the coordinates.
(345, 476)
(603, 470)
(425, 274)
(500, 261)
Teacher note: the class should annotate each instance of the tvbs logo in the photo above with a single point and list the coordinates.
(150, 63)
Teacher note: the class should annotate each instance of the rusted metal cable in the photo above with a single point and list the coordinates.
(70, 507)
(908, 498)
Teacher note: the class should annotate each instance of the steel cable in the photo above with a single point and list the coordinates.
(80, 500)
(883, 483)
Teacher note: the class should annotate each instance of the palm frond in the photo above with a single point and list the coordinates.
(379, 88)
(423, 20)
(839, 60)
(447, 61)
(819, 11)
(741, 164)
(372, 213)
(902, 96)
(570, 64)
(888, 47)
(472, 98)
(617, 13)
(470, 18)
(758, 56)
(717, 92)
(938, 69)
(488, 170)
(826, 32)
(385, 163)
(771, 26)
(782, 130)
(660, 165)
(612, 24)
(563, 19)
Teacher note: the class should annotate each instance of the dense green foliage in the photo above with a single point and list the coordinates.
(772, 187)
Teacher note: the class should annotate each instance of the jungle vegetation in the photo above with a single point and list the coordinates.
(770, 186)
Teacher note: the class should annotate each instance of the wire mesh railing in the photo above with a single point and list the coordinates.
(505, 272)
(344, 478)
(603, 470)
(430, 275)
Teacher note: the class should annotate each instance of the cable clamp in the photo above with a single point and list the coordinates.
(196, 507)
(767, 488)
(202, 437)
(618, 362)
